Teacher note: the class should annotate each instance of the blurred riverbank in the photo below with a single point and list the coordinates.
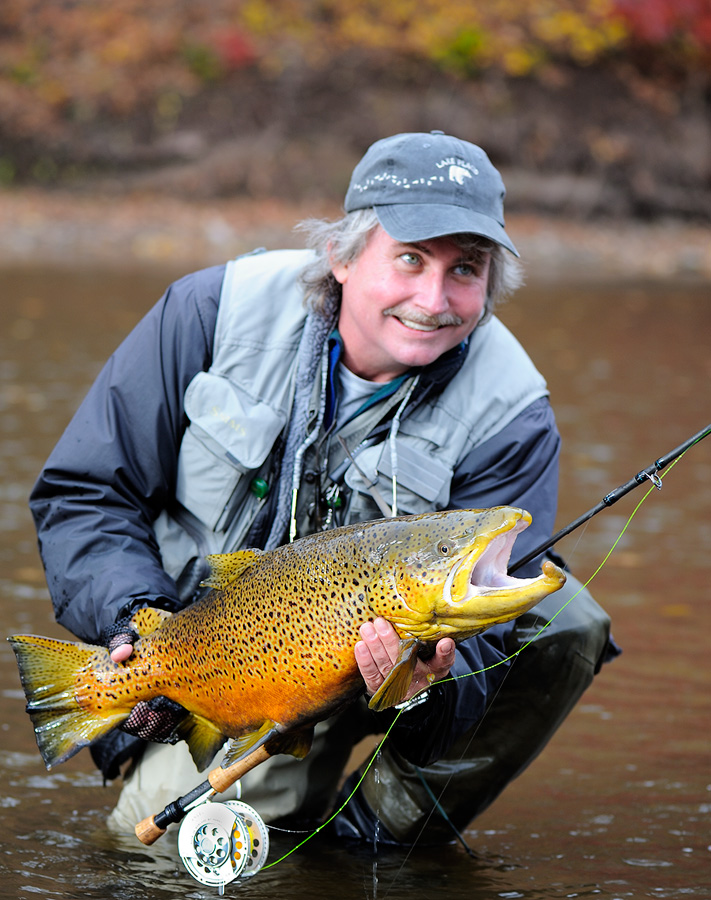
(39, 228)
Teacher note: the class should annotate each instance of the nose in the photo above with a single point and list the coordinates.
(432, 297)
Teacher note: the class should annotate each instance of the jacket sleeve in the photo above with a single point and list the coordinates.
(517, 467)
(114, 467)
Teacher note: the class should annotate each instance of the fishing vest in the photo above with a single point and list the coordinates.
(239, 407)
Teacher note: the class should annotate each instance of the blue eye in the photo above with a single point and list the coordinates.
(410, 258)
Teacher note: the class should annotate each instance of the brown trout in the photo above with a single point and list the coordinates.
(268, 651)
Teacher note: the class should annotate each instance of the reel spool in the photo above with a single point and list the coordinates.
(218, 842)
(258, 833)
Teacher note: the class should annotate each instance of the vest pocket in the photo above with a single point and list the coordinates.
(229, 437)
(423, 481)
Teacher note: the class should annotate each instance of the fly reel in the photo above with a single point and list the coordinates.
(219, 842)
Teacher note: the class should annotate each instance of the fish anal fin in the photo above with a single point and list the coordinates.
(202, 738)
(226, 568)
(395, 687)
(295, 743)
(148, 619)
(244, 744)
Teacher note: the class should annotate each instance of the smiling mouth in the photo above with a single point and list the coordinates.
(424, 323)
(418, 326)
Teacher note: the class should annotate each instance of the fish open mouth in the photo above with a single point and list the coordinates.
(479, 592)
(489, 577)
(490, 571)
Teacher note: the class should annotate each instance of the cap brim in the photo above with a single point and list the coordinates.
(410, 222)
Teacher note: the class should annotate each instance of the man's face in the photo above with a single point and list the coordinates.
(405, 305)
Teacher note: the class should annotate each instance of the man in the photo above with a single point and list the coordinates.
(261, 401)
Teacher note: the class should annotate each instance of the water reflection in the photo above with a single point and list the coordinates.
(618, 806)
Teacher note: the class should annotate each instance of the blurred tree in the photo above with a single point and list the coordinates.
(68, 68)
(663, 22)
(78, 59)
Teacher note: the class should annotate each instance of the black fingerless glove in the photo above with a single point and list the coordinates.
(121, 632)
(155, 720)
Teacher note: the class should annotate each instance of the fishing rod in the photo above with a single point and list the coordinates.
(151, 828)
(648, 474)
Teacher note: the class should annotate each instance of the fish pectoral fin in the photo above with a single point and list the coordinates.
(395, 687)
(295, 743)
(226, 568)
(202, 738)
(148, 619)
(244, 744)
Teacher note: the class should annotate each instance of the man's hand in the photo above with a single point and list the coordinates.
(119, 640)
(152, 720)
(155, 720)
(377, 651)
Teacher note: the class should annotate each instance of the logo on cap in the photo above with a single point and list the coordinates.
(459, 169)
(458, 174)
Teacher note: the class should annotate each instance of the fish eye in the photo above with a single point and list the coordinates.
(443, 548)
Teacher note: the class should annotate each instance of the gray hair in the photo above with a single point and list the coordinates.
(343, 241)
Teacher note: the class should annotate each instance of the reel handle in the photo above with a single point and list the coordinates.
(151, 828)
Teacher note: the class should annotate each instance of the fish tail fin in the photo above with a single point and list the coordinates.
(48, 671)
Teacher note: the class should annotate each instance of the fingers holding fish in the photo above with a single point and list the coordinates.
(378, 650)
(121, 652)
(156, 720)
(438, 667)
(119, 639)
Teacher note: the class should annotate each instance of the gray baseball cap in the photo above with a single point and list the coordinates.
(424, 186)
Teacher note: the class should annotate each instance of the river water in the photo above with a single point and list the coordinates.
(617, 806)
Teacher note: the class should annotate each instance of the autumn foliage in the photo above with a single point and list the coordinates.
(66, 62)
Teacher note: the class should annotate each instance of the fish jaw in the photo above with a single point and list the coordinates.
(477, 592)
(492, 601)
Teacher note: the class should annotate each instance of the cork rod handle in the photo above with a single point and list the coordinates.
(151, 828)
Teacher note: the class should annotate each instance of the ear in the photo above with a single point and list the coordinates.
(339, 270)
